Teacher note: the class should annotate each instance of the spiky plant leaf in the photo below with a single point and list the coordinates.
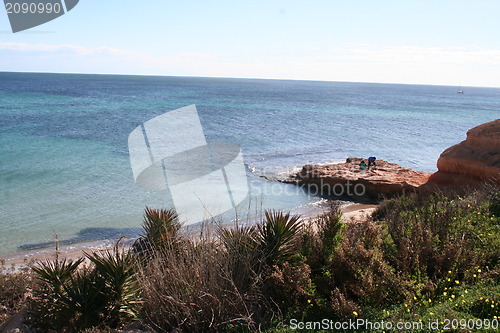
(240, 238)
(84, 295)
(277, 235)
(55, 272)
(242, 255)
(117, 268)
(161, 226)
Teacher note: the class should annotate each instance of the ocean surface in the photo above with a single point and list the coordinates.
(64, 162)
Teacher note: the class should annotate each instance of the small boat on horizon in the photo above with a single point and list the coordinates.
(460, 90)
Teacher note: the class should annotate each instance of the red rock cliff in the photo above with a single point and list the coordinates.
(473, 160)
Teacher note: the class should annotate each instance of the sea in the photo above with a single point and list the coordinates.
(65, 170)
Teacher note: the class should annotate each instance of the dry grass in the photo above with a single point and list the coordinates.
(195, 287)
(15, 291)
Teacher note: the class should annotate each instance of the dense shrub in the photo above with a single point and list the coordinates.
(322, 236)
(348, 267)
(429, 235)
(289, 285)
(420, 257)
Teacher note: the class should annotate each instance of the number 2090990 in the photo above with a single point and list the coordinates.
(33, 8)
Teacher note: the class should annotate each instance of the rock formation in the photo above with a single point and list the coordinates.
(473, 160)
(346, 179)
(469, 163)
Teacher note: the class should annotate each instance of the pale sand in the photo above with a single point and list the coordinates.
(22, 259)
(357, 212)
(15, 261)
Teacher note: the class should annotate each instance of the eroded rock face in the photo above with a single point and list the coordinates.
(472, 161)
(387, 179)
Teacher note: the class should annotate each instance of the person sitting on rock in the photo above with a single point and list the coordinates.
(362, 165)
(371, 162)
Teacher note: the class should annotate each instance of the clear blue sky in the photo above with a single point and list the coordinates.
(405, 41)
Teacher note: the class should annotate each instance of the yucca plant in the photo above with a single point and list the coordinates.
(105, 292)
(239, 238)
(49, 304)
(84, 299)
(242, 255)
(161, 227)
(55, 272)
(117, 269)
(277, 236)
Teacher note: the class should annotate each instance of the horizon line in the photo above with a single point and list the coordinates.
(252, 78)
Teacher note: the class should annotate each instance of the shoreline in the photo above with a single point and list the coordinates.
(21, 259)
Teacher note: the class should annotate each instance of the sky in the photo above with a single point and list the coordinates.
(391, 41)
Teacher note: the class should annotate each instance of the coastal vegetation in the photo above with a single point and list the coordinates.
(420, 257)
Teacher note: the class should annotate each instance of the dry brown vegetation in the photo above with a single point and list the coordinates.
(399, 265)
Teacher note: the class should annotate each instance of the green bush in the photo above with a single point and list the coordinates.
(74, 297)
(429, 235)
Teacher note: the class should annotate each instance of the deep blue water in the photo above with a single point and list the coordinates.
(64, 164)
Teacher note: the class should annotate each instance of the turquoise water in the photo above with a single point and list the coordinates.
(64, 164)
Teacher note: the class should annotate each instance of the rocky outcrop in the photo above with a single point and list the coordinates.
(469, 163)
(347, 180)
(472, 161)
